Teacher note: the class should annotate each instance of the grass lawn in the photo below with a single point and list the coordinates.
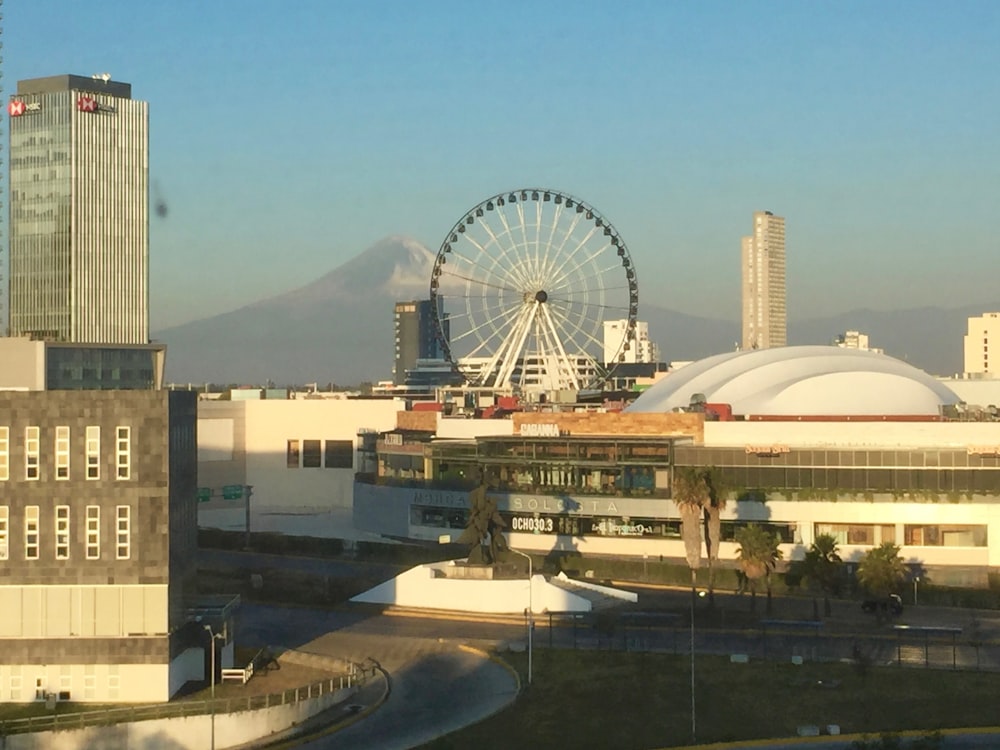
(626, 701)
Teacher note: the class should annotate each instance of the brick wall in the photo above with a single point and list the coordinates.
(618, 423)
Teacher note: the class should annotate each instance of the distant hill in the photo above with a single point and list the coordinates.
(339, 328)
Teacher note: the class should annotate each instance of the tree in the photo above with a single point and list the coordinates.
(690, 493)
(881, 572)
(713, 507)
(823, 568)
(758, 556)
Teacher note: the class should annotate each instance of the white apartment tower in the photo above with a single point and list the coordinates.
(982, 339)
(641, 349)
(79, 221)
(765, 320)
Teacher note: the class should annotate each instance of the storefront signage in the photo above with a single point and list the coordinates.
(768, 450)
(608, 527)
(90, 104)
(540, 429)
(563, 505)
(534, 524)
(393, 438)
(984, 450)
(17, 107)
(441, 499)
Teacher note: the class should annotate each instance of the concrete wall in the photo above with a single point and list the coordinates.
(23, 364)
(256, 455)
(183, 733)
(425, 586)
(853, 434)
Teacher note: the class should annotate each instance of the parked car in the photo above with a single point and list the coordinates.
(892, 605)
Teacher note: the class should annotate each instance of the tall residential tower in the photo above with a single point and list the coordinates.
(79, 224)
(765, 321)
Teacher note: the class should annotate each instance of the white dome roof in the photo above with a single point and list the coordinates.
(801, 381)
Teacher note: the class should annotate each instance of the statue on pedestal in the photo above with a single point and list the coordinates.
(485, 528)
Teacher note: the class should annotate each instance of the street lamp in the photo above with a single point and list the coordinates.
(212, 637)
(916, 580)
(694, 726)
(531, 608)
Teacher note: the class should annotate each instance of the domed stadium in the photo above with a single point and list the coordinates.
(801, 381)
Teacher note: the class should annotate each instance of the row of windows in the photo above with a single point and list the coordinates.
(314, 454)
(62, 452)
(859, 534)
(33, 523)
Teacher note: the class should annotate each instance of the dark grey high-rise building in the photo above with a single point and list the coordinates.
(79, 223)
(415, 336)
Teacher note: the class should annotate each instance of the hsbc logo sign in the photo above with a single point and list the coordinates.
(90, 104)
(18, 107)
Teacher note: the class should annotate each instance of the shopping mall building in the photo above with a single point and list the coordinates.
(810, 441)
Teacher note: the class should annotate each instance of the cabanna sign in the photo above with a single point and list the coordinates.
(540, 429)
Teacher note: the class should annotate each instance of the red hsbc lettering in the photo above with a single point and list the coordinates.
(86, 104)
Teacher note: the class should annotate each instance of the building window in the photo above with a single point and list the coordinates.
(123, 533)
(93, 452)
(4, 531)
(62, 452)
(31, 448)
(944, 535)
(31, 532)
(93, 532)
(62, 532)
(311, 458)
(89, 684)
(849, 533)
(4, 453)
(292, 456)
(339, 454)
(123, 452)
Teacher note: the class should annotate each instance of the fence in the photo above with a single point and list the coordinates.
(356, 675)
(771, 640)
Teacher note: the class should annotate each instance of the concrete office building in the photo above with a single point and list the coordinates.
(765, 320)
(79, 225)
(984, 330)
(97, 546)
(640, 349)
(415, 337)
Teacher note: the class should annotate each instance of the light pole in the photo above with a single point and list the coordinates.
(212, 637)
(694, 725)
(916, 580)
(531, 608)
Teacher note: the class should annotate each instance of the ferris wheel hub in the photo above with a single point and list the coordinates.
(542, 296)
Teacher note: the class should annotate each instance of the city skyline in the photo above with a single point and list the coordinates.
(877, 138)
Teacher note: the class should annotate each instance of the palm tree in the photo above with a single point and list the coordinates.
(689, 492)
(881, 572)
(758, 557)
(714, 504)
(823, 567)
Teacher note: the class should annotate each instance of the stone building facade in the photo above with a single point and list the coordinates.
(98, 541)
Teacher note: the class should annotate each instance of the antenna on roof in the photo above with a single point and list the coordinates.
(101, 77)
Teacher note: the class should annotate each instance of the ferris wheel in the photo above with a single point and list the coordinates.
(522, 287)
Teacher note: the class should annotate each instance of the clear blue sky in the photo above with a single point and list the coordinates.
(287, 137)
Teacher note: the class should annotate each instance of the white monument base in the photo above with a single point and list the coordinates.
(431, 587)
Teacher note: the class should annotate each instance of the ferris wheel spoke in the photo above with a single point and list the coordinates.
(509, 354)
(544, 264)
(580, 263)
(504, 272)
(537, 260)
(512, 248)
(481, 282)
(514, 273)
(570, 232)
(579, 330)
(579, 275)
(476, 328)
(555, 342)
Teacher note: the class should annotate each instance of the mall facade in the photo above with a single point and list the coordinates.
(601, 483)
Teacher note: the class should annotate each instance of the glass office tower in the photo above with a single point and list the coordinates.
(79, 211)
